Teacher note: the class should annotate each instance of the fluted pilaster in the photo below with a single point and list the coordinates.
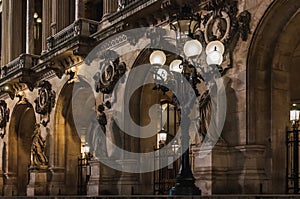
(47, 7)
(29, 26)
(109, 7)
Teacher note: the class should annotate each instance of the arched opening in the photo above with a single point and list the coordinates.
(71, 123)
(144, 109)
(271, 72)
(21, 129)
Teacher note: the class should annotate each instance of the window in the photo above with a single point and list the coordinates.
(94, 10)
(37, 28)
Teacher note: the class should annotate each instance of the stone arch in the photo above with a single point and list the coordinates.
(268, 92)
(21, 129)
(67, 139)
(140, 102)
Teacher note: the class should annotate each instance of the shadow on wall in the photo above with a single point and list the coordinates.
(231, 133)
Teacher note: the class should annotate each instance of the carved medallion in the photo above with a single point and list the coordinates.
(111, 70)
(45, 101)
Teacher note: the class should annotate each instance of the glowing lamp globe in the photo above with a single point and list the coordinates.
(192, 48)
(162, 135)
(157, 57)
(214, 58)
(215, 46)
(176, 66)
(294, 115)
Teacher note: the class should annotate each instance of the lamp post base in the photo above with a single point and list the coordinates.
(185, 185)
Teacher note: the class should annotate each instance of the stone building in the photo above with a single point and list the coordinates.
(47, 50)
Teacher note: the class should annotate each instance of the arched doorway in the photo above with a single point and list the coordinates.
(69, 136)
(270, 70)
(144, 109)
(21, 129)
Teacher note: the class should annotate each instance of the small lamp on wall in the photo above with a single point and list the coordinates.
(294, 116)
(162, 137)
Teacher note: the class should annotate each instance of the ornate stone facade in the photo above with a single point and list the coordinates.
(262, 54)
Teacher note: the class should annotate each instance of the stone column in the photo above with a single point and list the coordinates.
(37, 185)
(46, 29)
(16, 30)
(210, 165)
(61, 15)
(4, 40)
(53, 16)
(2, 164)
(109, 7)
(79, 9)
(12, 30)
(93, 186)
(29, 26)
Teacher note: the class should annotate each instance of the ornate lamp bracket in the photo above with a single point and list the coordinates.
(45, 102)
(222, 22)
(218, 20)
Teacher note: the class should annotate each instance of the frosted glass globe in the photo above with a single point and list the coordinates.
(158, 57)
(192, 48)
(214, 57)
(176, 66)
(215, 45)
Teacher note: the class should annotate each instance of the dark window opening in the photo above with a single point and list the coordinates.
(23, 31)
(94, 10)
(37, 29)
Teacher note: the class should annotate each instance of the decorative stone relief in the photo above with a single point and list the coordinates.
(222, 22)
(38, 157)
(111, 70)
(218, 20)
(4, 117)
(45, 102)
(22, 98)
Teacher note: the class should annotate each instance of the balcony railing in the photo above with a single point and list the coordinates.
(80, 28)
(14, 68)
(125, 3)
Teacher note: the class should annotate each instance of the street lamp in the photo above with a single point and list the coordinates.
(185, 24)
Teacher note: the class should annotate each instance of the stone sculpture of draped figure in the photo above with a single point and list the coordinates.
(38, 148)
(208, 114)
(97, 134)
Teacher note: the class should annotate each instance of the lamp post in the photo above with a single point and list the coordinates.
(184, 24)
(294, 118)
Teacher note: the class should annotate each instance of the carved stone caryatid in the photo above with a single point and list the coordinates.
(4, 117)
(38, 157)
(111, 70)
(45, 101)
